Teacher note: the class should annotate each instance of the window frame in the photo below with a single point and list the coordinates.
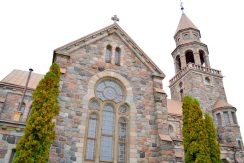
(116, 127)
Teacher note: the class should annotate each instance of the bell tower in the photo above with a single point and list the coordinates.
(193, 73)
(195, 77)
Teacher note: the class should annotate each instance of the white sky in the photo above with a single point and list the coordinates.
(30, 30)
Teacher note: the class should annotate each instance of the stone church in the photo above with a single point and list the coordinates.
(113, 107)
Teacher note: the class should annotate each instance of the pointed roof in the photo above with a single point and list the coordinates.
(116, 29)
(222, 104)
(19, 77)
(185, 23)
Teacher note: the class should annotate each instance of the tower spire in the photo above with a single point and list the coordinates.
(181, 6)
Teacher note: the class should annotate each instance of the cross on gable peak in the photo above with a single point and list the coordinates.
(115, 18)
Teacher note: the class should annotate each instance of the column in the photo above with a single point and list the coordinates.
(197, 58)
(183, 61)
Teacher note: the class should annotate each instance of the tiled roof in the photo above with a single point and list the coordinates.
(19, 77)
(174, 107)
(222, 104)
(185, 23)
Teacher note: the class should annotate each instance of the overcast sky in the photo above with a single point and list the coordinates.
(30, 30)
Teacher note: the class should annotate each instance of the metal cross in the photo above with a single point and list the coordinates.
(181, 6)
(115, 18)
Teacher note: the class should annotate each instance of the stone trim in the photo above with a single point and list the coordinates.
(132, 153)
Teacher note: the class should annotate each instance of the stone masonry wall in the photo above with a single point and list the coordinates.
(85, 63)
(11, 130)
(195, 84)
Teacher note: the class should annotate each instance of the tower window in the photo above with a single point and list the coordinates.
(117, 56)
(234, 117)
(186, 36)
(239, 143)
(195, 35)
(226, 118)
(189, 57)
(219, 121)
(207, 80)
(202, 57)
(108, 54)
(171, 129)
(181, 84)
(178, 63)
(181, 94)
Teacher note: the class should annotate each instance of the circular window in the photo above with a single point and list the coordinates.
(123, 109)
(109, 90)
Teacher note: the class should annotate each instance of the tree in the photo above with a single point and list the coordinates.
(39, 132)
(212, 140)
(195, 138)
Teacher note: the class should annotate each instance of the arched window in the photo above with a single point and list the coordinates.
(233, 114)
(108, 54)
(207, 80)
(171, 129)
(239, 143)
(91, 137)
(122, 140)
(117, 56)
(178, 63)
(94, 104)
(181, 94)
(226, 118)
(106, 152)
(219, 120)
(111, 131)
(186, 36)
(189, 57)
(202, 57)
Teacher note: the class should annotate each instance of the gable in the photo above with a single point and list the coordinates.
(114, 29)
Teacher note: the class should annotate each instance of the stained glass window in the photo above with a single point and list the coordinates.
(123, 109)
(109, 90)
(94, 105)
(107, 133)
(101, 145)
(122, 140)
(107, 148)
(91, 137)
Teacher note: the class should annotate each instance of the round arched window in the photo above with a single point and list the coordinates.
(109, 90)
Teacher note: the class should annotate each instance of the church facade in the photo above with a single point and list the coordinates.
(113, 107)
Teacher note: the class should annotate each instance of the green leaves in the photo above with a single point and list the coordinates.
(199, 134)
(39, 132)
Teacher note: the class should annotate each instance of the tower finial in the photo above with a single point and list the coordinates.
(115, 18)
(181, 6)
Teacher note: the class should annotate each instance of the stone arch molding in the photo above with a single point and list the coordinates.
(128, 100)
(94, 79)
